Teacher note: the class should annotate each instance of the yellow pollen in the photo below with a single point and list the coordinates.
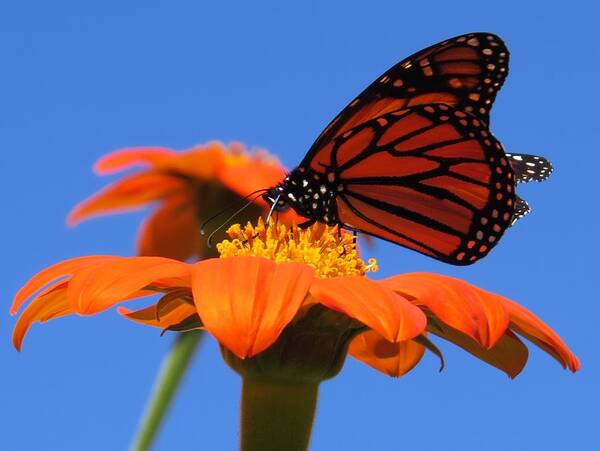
(324, 248)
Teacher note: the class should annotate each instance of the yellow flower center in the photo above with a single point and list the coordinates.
(324, 248)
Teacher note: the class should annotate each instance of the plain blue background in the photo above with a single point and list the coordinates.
(79, 79)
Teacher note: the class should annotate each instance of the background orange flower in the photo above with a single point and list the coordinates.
(187, 188)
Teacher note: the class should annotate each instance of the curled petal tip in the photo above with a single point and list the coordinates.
(428, 344)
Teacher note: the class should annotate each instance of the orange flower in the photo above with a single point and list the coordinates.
(190, 186)
(269, 281)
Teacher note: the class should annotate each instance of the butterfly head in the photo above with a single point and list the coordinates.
(275, 197)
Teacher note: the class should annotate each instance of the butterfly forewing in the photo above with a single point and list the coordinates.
(465, 72)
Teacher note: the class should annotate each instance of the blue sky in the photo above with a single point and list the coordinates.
(79, 79)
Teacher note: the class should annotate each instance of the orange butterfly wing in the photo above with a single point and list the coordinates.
(413, 157)
(430, 177)
(465, 72)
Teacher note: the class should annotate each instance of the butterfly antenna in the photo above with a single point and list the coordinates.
(237, 212)
(272, 209)
(229, 207)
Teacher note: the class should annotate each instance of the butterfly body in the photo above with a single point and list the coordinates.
(412, 160)
(311, 194)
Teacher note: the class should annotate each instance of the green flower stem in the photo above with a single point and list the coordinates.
(277, 415)
(169, 378)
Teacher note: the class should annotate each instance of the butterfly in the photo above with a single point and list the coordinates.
(411, 160)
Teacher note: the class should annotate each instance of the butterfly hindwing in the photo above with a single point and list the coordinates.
(521, 209)
(430, 177)
(529, 168)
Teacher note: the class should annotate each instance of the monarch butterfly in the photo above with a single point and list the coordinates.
(412, 160)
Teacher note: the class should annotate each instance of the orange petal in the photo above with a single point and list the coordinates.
(393, 359)
(130, 193)
(246, 302)
(122, 159)
(174, 313)
(95, 289)
(255, 174)
(372, 304)
(52, 303)
(172, 231)
(463, 306)
(534, 329)
(251, 176)
(54, 272)
(509, 354)
(200, 163)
